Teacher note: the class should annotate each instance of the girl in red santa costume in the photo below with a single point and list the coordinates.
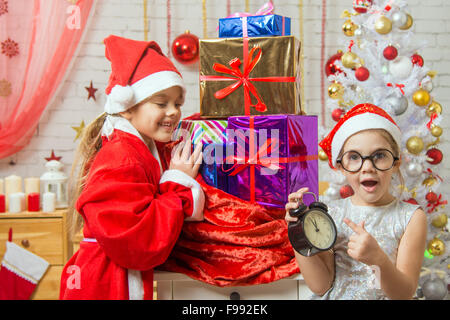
(132, 197)
(380, 239)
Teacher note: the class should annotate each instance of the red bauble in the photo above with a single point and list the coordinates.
(346, 191)
(412, 201)
(330, 67)
(337, 114)
(185, 48)
(431, 197)
(390, 53)
(362, 6)
(362, 74)
(417, 60)
(435, 156)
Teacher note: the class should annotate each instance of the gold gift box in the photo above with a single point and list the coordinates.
(280, 57)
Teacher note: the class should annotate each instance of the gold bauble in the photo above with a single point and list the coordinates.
(434, 107)
(421, 97)
(414, 145)
(429, 181)
(322, 155)
(436, 247)
(349, 60)
(336, 90)
(349, 28)
(408, 23)
(440, 221)
(436, 131)
(383, 25)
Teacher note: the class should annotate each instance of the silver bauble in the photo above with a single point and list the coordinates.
(332, 192)
(398, 104)
(399, 19)
(434, 289)
(359, 32)
(414, 169)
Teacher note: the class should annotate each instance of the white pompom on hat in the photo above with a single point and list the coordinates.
(139, 69)
(361, 117)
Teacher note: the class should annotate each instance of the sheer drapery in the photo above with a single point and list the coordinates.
(39, 39)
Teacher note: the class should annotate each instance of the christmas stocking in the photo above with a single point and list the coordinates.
(20, 272)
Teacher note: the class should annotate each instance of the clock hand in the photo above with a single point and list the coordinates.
(315, 224)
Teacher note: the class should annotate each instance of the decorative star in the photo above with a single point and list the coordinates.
(91, 91)
(79, 130)
(10, 48)
(53, 157)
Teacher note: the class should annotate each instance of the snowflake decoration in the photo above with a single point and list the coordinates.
(10, 48)
(5, 88)
(3, 7)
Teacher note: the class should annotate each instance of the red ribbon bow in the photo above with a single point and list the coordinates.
(432, 118)
(434, 205)
(398, 85)
(243, 79)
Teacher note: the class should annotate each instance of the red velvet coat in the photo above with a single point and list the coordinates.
(133, 216)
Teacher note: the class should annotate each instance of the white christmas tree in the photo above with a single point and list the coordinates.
(382, 65)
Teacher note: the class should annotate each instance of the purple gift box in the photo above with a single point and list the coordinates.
(271, 157)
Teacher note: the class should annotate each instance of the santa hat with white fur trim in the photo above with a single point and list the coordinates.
(361, 117)
(138, 70)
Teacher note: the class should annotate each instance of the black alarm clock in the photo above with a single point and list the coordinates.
(314, 231)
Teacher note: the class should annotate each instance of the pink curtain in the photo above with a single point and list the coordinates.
(38, 41)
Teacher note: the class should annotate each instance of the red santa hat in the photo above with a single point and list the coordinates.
(139, 69)
(361, 117)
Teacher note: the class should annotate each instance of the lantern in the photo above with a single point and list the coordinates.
(55, 181)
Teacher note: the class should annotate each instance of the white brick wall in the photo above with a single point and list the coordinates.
(125, 18)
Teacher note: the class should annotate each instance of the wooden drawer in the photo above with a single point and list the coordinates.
(48, 287)
(44, 237)
(195, 290)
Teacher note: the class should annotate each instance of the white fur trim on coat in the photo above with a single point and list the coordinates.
(198, 196)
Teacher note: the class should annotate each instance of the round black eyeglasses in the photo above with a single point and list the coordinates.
(382, 160)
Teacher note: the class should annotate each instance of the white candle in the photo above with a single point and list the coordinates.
(13, 184)
(49, 202)
(31, 185)
(16, 202)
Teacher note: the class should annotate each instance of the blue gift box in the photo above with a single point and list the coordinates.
(212, 166)
(257, 26)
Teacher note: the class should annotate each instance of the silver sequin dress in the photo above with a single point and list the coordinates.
(355, 280)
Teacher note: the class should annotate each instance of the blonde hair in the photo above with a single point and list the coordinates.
(90, 144)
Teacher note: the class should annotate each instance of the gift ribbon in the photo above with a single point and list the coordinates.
(254, 159)
(250, 61)
(432, 118)
(434, 205)
(398, 85)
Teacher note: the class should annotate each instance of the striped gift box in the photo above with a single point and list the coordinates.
(205, 131)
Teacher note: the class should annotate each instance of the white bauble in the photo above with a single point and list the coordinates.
(399, 19)
(427, 84)
(332, 192)
(400, 67)
(414, 169)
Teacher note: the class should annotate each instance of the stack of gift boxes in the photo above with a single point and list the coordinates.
(256, 145)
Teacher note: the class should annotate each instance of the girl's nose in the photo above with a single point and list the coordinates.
(368, 166)
(172, 110)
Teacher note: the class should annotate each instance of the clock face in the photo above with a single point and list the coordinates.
(319, 229)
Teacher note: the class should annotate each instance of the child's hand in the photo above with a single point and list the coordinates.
(362, 246)
(183, 160)
(294, 200)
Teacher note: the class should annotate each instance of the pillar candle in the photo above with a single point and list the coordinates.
(16, 202)
(2, 203)
(13, 184)
(31, 185)
(48, 202)
(33, 202)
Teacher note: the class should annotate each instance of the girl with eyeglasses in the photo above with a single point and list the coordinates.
(379, 249)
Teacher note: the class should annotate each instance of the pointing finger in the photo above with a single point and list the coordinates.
(356, 228)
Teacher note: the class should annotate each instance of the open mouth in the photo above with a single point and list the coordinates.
(167, 125)
(369, 185)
